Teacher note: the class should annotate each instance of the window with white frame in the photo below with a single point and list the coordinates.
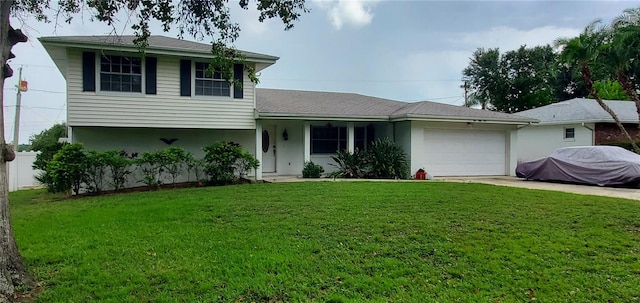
(210, 83)
(569, 133)
(120, 73)
(328, 139)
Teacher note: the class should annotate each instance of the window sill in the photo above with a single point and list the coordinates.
(120, 94)
(570, 140)
(215, 98)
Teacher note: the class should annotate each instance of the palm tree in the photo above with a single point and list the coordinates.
(582, 52)
(621, 51)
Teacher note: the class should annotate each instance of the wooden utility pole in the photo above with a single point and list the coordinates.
(16, 124)
(466, 101)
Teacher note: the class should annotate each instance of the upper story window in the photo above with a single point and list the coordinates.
(120, 73)
(569, 133)
(210, 83)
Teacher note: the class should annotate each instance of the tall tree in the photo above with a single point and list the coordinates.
(48, 136)
(610, 90)
(529, 79)
(13, 273)
(196, 18)
(582, 52)
(621, 52)
(482, 77)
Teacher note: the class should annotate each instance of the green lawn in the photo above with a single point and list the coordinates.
(332, 242)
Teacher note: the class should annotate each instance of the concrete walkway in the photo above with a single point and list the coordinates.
(626, 193)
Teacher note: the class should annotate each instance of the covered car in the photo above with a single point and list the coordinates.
(599, 165)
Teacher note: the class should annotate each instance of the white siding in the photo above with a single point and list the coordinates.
(139, 140)
(402, 136)
(165, 109)
(538, 141)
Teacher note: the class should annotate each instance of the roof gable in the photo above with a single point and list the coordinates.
(157, 44)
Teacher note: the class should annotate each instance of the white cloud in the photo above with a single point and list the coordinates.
(509, 38)
(355, 13)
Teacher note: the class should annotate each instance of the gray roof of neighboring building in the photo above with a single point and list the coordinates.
(427, 108)
(287, 103)
(155, 43)
(582, 110)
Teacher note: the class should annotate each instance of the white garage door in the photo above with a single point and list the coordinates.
(449, 152)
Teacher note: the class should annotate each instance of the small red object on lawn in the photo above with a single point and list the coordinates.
(421, 174)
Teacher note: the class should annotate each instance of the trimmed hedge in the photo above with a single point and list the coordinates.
(79, 170)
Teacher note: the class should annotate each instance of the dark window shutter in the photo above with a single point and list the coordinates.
(88, 72)
(185, 78)
(150, 75)
(238, 76)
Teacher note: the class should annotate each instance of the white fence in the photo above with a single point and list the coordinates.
(21, 174)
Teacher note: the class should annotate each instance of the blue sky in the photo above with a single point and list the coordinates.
(400, 50)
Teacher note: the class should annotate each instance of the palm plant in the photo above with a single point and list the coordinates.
(350, 165)
(621, 52)
(582, 52)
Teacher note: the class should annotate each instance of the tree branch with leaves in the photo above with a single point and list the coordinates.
(199, 19)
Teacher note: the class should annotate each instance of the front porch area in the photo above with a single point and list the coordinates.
(284, 146)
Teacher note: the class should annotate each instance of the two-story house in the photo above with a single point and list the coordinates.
(117, 99)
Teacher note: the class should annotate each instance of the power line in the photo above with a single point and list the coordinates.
(38, 90)
(431, 99)
(38, 65)
(46, 91)
(35, 107)
(364, 81)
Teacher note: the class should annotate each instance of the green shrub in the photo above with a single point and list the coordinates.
(196, 166)
(246, 162)
(119, 164)
(95, 171)
(383, 159)
(226, 162)
(67, 168)
(151, 165)
(312, 170)
(350, 165)
(174, 162)
(43, 158)
(387, 160)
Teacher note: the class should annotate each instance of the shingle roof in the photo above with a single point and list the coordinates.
(583, 110)
(277, 102)
(155, 42)
(427, 108)
(280, 101)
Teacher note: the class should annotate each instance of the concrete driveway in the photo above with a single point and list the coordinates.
(627, 193)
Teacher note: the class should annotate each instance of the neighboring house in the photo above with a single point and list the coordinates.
(118, 100)
(575, 122)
